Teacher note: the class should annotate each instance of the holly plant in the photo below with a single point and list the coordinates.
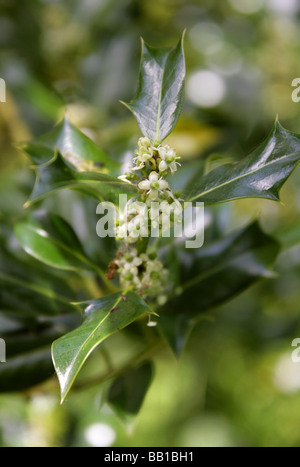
(59, 292)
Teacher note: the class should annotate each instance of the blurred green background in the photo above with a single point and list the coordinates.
(235, 384)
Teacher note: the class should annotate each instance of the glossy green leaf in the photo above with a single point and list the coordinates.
(217, 272)
(28, 342)
(35, 309)
(56, 175)
(32, 315)
(38, 152)
(58, 228)
(44, 247)
(127, 392)
(160, 94)
(30, 289)
(101, 319)
(51, 176)
(260, 175)
(52, 241)
(74, 146)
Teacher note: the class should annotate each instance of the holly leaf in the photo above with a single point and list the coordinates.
(75, 147)
(28, 290)
(101, 318)
(260, 175)
(160, 94)
(126, 394)
(57, 175)
(51, 249)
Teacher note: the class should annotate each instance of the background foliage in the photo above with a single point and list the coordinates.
(235, 383)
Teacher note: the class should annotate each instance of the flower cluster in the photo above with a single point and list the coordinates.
(138, 220)
(133, 222)
(156, 207)
(145, 272)
(144, 154)
(168, 159)
(160, 158)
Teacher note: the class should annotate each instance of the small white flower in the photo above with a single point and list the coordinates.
(128, 269)
(169, 159)
(134, 227)
(135, 208)
(154, 266)
(128, 279)
(153, 185)
(165, 208)
(129, 275)
(144, 143)
(130, 258)
(154, 279)
(143, 154)
(144, 272)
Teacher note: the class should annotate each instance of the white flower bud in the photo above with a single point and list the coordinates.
(163, 166)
